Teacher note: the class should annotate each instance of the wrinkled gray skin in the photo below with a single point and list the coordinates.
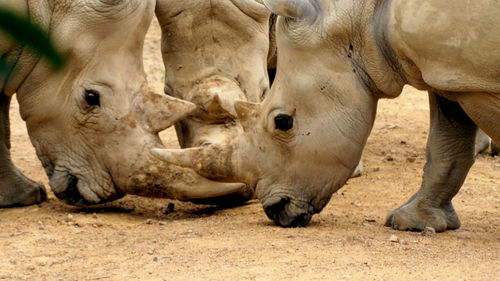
(92, 152)
(484, 144)
(336, 59)
(215, 52)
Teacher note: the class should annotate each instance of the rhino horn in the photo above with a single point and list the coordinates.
(221, 106)
(212, 161)
(158, 112)
(246, 112)
(307, 10)
(205, 188)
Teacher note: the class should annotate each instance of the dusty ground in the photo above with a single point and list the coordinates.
(133, 239)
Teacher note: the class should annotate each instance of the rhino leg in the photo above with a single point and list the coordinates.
(15, 188)
(495, 149)
(482, 143)
(450, 154)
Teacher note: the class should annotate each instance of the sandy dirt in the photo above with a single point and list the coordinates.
(140, 239)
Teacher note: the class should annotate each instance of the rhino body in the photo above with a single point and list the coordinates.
(215, 53)
(336, 59)
(93, 122)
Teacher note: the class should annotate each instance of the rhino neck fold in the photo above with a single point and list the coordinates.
(385, 68)
(368, 47)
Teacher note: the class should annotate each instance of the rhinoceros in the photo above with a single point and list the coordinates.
(94, 122)
(215, 52)
(336, 59)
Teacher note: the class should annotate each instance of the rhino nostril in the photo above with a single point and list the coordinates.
(286, 213)
(301, 220)
(273, 210)
(71, 194)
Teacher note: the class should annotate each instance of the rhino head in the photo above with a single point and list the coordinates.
(94, 122)
(215, 53)
(303, 141)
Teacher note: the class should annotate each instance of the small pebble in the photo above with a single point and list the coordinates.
(370, 220)
(162, 223)
(149, 221)
(155, 259)
(410, 159)
(428, 231)
(168, 209)
(394, 238)
(68, 218)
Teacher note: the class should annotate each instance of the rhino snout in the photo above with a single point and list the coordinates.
(287, 212)
(77, 190)
(65, 187)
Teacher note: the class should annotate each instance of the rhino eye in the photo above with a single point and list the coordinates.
(92, 97)
(283, 122)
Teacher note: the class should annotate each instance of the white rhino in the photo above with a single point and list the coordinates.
(336, 59)
(94, 122)
(215, 52)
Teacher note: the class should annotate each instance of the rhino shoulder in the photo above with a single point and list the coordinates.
(449, 49)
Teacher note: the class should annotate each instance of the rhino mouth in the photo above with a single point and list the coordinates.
(70, 194)
(72, 189)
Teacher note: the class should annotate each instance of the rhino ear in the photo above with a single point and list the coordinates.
(308, 10)
(246, 112)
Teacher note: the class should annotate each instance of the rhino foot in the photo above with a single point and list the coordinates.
(18, 190)
(417, 215)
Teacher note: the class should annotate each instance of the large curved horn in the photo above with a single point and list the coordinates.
(212, 161)
(158, 112)
(160, 179)
(307, 10)
(205, 188)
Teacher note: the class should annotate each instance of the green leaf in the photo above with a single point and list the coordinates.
(24, 32)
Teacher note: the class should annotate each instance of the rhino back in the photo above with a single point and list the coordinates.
(454, 46)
